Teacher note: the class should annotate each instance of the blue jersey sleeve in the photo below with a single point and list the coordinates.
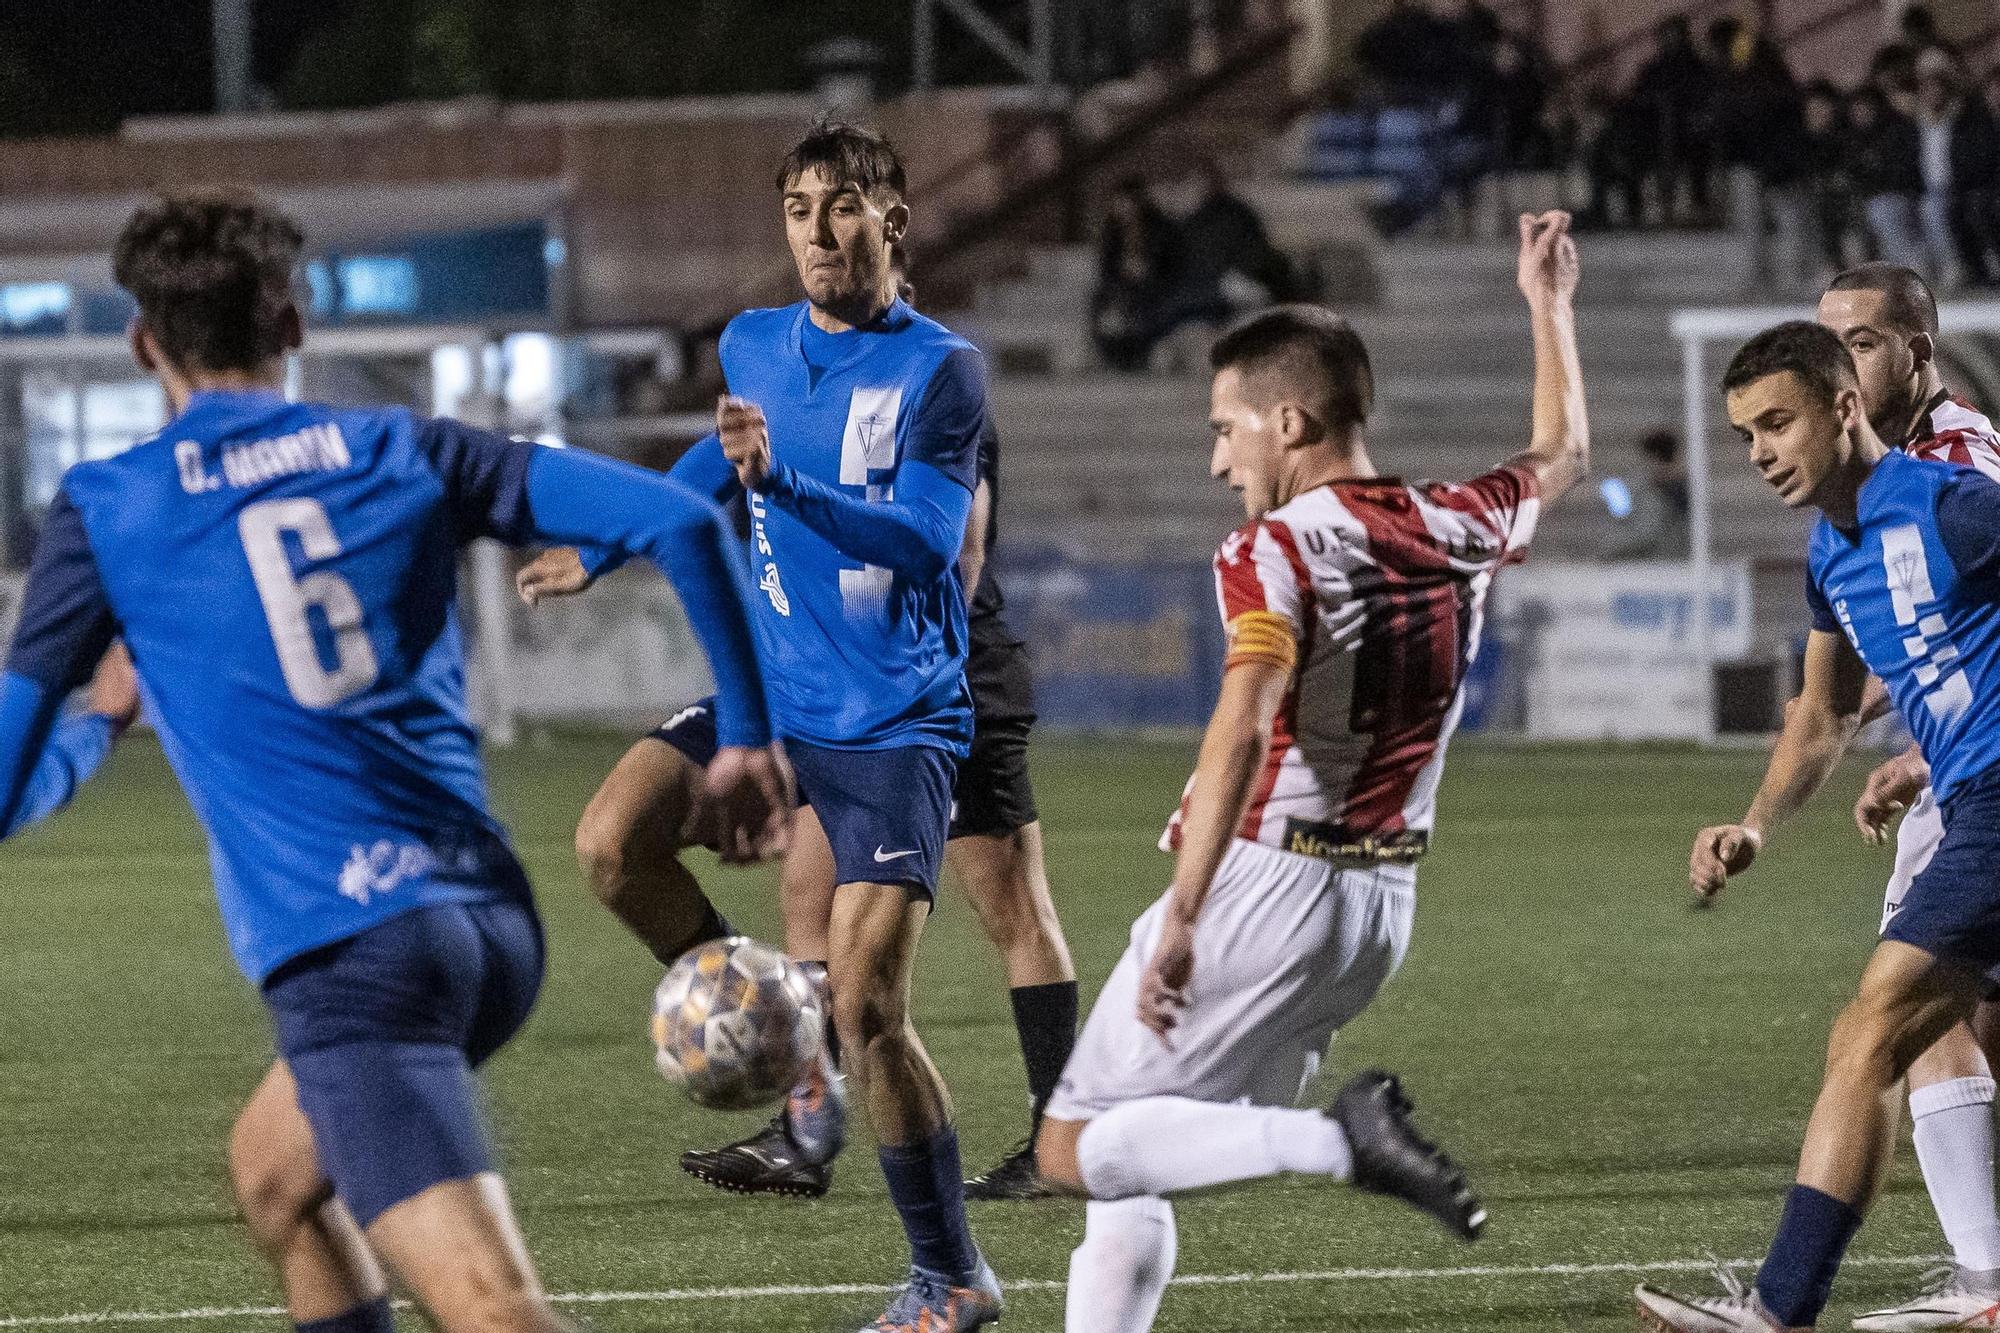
(582, 499)
(951, 419)
(1816, 606)
(1968, 520)
(76, 749)
(702, 468)
(919, 533)
(484, 475)
(65, 626)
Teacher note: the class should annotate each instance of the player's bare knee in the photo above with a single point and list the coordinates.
(1867, 1046)
(500, 1303)
(602, 836)
(1055, 1154)
(1955, 1055)
(871, 1020)
(276, 1193)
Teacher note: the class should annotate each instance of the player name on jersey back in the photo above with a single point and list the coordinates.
(315, 448)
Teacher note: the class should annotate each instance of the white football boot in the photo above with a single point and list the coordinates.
(1952, 1297)
(1737, 1310)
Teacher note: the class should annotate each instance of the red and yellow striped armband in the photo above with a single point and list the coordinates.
(1261, 636)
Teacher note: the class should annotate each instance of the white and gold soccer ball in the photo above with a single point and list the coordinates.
(736, 1023)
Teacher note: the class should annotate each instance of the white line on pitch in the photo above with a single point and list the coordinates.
(671, 1295)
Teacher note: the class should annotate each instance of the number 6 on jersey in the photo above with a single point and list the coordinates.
(287, 599)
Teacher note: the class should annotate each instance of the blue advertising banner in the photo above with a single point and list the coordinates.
(1116, 645)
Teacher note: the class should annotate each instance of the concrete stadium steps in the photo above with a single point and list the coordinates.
(1659, 269)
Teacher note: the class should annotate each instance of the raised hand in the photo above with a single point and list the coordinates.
(746, 440)
(1547, 268)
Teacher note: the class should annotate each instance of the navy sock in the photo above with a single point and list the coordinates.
(928, 1189)
(374, 1317)
(1797, 1276)
(1045, 1018)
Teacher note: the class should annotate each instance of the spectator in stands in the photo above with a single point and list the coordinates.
(1759, 128)
(1948, 135)
(1138, 251)
(1411, 55)
(1976, 168)
(1674, 90)
(1611, 141)
(1888, 175)
(1518, 102)
(1224, 235)
(1834, 206)
(1657, 526)
(1920, 34)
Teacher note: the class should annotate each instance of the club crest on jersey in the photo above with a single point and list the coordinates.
(869, 442)
(775, 590)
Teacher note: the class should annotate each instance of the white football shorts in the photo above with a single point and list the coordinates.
(1917, 837)
(1288, 950)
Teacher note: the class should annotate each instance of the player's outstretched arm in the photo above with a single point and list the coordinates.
(1233, 751)
(579, 497)
(1817, 728)
(64, 632)
(1558, 450)
(566, 571)
(79, 744)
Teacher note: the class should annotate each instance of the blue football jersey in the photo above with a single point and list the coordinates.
(1915, 587)
(285, 576)
(861, 619)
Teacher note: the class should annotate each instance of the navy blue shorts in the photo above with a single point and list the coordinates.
(382, 1031)
(885, 812)
(1952, 909)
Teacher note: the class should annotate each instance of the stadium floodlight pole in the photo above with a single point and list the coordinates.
(229, 22)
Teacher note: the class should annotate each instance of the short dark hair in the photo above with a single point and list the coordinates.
(1909, 303)
(1811, 351)
(212, 273)
(1304, 341)
(849, 154)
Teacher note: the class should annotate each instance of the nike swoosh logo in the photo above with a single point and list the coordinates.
(882, 856)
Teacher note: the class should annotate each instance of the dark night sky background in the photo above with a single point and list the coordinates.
(85, 65)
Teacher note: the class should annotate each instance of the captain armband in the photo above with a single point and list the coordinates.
(1261, 636)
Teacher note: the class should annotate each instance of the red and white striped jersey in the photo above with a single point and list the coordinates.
(1952, 430)
(1383, 584)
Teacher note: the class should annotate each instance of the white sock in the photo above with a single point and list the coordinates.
(1954, 1136)
(1165, 1145)
(1119, 1273)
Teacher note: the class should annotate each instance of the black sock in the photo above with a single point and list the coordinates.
(816, 970)
(714, 926)
(1045, 1017)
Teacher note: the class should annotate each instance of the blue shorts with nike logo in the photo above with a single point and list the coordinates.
(885, 812)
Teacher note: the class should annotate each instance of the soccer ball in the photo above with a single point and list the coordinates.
(736, 1023)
